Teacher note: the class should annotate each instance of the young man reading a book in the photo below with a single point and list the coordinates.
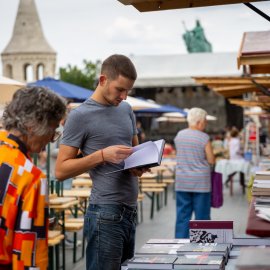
(104, 129)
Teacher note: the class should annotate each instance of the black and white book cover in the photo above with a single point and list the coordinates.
(211, 231)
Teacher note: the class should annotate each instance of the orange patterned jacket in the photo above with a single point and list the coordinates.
(23, 208)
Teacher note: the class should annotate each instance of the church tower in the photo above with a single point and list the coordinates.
(28, 56)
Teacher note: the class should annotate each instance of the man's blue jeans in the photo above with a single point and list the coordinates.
(186, 203)
(110, 233)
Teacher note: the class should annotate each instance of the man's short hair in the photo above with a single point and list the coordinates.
(118, 64)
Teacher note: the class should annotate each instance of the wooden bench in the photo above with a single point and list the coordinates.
(140, 202)
(54, 239)
(82, 183)
(151, 193)
(83, 175)
(74, 225)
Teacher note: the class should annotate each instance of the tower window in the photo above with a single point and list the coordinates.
(9, 71)
(40, 71)
(28, 73)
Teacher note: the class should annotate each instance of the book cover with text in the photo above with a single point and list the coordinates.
(211, 231)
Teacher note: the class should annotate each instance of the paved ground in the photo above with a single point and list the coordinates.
(162, 226)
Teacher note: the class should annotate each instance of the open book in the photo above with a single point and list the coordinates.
(145, 155)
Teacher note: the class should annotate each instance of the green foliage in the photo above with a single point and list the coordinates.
(84, 77)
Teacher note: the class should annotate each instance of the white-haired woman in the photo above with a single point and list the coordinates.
(30, 121)
(192, 182)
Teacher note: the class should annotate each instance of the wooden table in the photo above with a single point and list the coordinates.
(59, 205)
(228, 168)
(82, 182)
(80, 194)
(255, 225)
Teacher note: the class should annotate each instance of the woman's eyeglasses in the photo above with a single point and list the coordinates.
(56, 136)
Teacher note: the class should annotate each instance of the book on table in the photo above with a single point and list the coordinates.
(199, 261)
(212, 249)
(156, 249)
(234, 253)
(249, 240)
(210, 231)
(255, 225)
(145, 155)
(168, 241)
(253, 258)
(262, 175)
(151, 262)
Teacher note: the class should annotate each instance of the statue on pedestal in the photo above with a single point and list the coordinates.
(195, 40)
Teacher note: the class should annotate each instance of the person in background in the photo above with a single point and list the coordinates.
(234, 145)
(194, 156)
(169, 150)
(140, 132)
(104, 129)
(218, 147)
(30, 121)
(227, 136)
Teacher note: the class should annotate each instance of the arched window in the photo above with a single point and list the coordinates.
(9, 71)
(40, 71)
(28, 73)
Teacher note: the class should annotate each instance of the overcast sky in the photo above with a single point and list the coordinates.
(94, 29)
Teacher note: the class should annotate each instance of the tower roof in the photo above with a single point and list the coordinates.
(27, 34)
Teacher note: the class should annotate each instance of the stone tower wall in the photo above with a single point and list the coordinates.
(18, 62)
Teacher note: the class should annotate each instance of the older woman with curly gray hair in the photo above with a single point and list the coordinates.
(192, 177)
(30, 121)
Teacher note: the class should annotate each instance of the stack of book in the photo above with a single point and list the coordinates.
(168, 241)
(211, 249)
(159, 249)
(261, 193)
(195, 261)
(151, 262)
(199, 261)
(181, 254)
(261, 184)
(244, 240)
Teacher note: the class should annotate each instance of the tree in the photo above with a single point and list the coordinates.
(85, 77)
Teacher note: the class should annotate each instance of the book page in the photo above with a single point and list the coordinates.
(142, 156)
(160, 146)
(147, 154)
(141, 146)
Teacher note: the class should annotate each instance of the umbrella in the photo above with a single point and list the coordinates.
(139, 104)
(64, 89)
(161, 109)
(8, 88)
(176, 117)
(171, 119)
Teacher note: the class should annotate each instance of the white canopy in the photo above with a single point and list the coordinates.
(7, 88)
(138, 104)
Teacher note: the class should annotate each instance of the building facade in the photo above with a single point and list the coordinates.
(28, 56)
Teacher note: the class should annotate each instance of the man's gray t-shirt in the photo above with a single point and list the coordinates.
(93, 126)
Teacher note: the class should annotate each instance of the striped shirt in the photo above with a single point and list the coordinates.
(192, 169)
